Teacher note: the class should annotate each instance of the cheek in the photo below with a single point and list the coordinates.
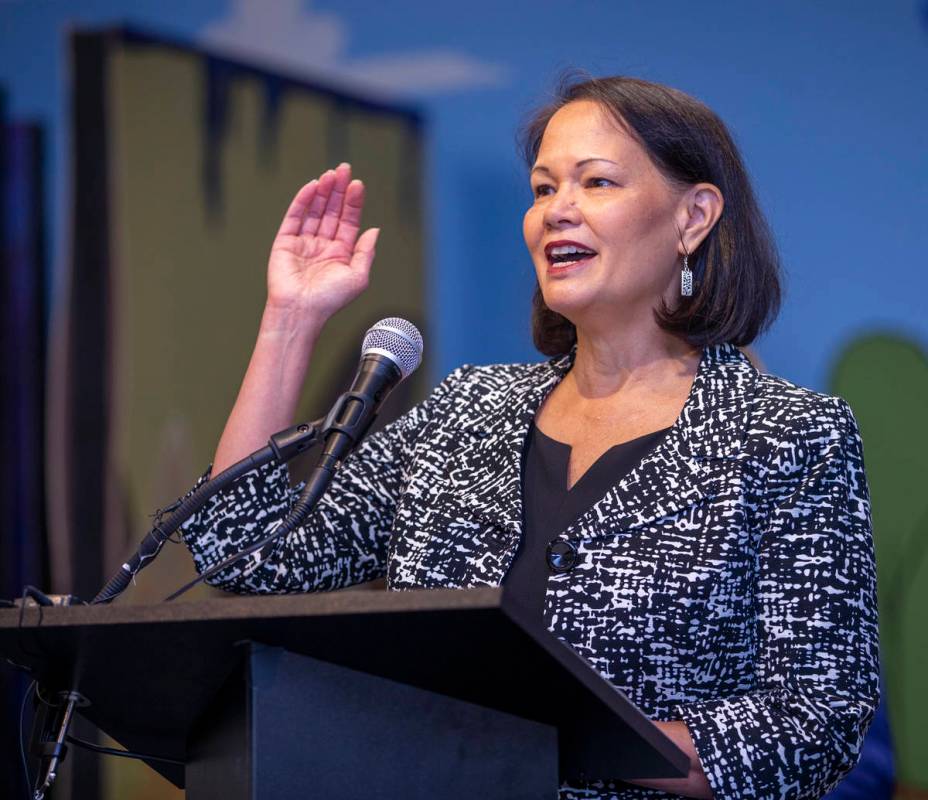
(636, 223)
(531, 228)
(655, 211)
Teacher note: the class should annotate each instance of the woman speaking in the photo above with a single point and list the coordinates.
(698, 531)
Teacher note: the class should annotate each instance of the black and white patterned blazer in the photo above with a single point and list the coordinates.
(728, 580)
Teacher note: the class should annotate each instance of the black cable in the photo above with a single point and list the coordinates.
(109, 751)
(112, 751)
(313, 490)
(152, 543)
(315, 487)
(282, 446)
(38, 595)
(22, 617)
(216, 568)
(22, 749)
(38, 695)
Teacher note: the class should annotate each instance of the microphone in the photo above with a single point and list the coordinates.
(391, 351)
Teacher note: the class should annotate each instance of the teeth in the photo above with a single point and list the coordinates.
(568, 249)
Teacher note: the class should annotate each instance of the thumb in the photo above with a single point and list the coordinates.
(364, 250)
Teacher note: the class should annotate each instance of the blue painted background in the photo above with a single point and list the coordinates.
(829, 102)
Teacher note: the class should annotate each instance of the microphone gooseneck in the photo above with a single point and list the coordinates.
(391, 352)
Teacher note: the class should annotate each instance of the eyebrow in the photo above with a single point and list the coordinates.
(584, 162)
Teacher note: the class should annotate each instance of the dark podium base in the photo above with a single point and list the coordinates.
(360, 736)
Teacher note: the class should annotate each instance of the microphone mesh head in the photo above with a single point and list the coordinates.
(398, 339)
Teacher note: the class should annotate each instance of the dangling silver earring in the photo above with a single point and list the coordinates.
(686, 278)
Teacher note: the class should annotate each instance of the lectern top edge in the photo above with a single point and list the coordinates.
(265, 606)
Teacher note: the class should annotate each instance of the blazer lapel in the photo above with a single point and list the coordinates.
(485, 471)
(692, 460)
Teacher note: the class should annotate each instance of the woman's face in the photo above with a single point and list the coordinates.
(601, 230)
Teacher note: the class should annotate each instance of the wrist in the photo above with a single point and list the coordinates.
(290, 323)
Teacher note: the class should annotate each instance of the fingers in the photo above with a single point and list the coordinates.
(293, 219)
(350, 221)
(329, 207)
(363, 255)
(333, 206)
(316, 208)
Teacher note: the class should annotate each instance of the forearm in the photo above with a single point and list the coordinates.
(318, 264)
(695, 783)
(270, 390)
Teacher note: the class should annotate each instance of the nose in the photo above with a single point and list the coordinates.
(561, 208)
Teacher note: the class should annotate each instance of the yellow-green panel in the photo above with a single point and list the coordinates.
(202, 165)
(189, 274)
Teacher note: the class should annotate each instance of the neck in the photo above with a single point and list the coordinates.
(608, 362)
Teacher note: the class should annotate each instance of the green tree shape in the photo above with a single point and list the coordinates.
(884, 377)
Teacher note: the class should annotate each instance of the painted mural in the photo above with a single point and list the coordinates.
(168, 157)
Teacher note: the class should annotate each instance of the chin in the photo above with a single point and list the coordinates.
(566, 304)
(587, 305)
(563, 295)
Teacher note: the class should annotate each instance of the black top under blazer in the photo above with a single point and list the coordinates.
(728, 580)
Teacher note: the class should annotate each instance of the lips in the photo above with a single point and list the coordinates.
(567, 253)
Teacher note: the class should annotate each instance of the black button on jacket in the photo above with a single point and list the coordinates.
(728, 580)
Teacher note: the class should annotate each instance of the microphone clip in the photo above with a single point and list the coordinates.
(289, 443)
(352, 416)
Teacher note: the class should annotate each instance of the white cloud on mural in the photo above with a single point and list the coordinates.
(289, 35)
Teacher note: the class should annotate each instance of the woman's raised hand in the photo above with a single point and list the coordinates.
(318, 263)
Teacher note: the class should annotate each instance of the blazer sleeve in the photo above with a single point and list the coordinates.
(343, 542)
(817, 680)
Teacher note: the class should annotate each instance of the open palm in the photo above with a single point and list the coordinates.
(318, 262)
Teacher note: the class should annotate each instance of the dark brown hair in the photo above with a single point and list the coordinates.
(736, 269)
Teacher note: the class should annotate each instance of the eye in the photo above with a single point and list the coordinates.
(542, 189)
(599, 183)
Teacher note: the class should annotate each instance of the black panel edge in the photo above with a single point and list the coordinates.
(87, 426)
(135, 36)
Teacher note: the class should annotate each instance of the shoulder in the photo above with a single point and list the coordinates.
(784, 429)
(796, 412)
(809, 441)
(476, 396)
(470, 380)
(499, 374)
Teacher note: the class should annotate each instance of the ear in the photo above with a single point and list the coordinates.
(698, 212)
